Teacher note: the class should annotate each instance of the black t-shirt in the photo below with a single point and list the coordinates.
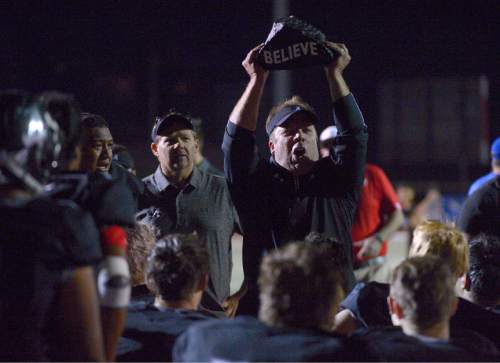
(42, 241)
(109, 200)
(368, 303)
(245, 339)
(390, 344)
(150, 332)
(481, 210)
(475, 317)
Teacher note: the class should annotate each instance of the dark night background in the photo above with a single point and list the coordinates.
(129, 60)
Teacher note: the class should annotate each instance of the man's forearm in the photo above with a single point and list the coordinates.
(246, 111)
(337, 85)
(394, 221)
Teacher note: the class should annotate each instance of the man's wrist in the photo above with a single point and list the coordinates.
(258, 78)
(337, 84)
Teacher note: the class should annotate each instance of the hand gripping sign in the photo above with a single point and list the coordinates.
(293, 43)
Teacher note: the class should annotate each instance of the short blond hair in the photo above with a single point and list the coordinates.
(443, 240)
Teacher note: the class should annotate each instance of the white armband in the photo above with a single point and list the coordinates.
(113, 282)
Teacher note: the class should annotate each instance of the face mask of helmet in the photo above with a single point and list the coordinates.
(35, 133)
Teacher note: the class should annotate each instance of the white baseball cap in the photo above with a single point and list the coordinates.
(329, 133)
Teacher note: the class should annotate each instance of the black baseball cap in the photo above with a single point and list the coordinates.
(284, 114)
(170, 119)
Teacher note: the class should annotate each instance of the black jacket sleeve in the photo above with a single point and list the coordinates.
(347, 162)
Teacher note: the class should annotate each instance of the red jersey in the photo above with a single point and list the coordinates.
(378, 200)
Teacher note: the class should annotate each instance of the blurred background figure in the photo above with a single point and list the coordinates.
(481, 211)
(200, 160)
(495, 168)
(378, 216)
(123, 157)
(429, 207)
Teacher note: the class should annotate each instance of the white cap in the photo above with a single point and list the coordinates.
(329, 133)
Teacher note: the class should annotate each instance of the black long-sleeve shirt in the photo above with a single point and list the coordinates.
(276, 207)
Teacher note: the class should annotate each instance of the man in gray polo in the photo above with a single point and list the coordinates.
(179, 198)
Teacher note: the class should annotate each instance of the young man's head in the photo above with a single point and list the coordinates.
(96, 143)
(442, 240)
(293, 140)
(177, 270)
(422, 298)
(174, 143)
(299, 286)
(482, 283)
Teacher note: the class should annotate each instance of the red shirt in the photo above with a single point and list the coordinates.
(378, 200)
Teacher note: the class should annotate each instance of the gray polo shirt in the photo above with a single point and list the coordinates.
(204, 205)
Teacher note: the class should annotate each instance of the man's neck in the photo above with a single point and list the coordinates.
(178, 178)
(436, 331)
(188, 304)
(198, 158)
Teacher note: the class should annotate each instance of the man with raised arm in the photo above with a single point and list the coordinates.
(295, 192)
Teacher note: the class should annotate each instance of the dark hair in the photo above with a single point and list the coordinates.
(176, 266)
(90, 120)
(340, 261)
(423, 287)
(299, 286)
(484, 271)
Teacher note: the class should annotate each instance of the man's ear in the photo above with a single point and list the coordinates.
(465, 282)
(394, 308)
(154, 149)
(271, 145)
(196, 142)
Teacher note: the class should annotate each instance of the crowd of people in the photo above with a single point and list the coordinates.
(99, 265)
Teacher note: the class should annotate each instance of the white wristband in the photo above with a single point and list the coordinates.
(113, 282)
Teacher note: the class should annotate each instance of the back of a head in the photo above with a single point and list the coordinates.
(484, 269)
(442, 240)
(299, 286)
(175, 267)
(424, 288)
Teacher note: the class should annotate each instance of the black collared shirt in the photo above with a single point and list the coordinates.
(203, 205)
